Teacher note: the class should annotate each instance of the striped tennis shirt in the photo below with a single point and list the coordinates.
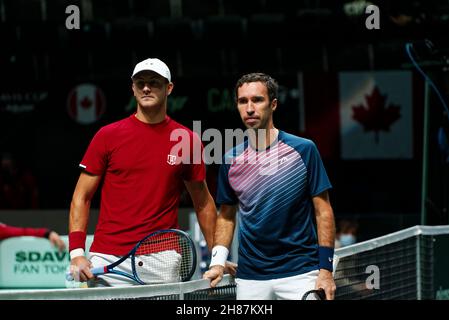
(273, 189)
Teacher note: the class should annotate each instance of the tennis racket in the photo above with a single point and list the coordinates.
(162, 256)
(314, 295)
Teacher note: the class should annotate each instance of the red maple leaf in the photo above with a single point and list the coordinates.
(86, 102)
(376, 116)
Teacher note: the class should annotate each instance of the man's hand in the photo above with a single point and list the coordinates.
(326, 281)
(56, 240)
(214, 274)
(80, 269)
(231, 268)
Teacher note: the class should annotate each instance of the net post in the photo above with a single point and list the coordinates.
(425, 165)
(418, 268)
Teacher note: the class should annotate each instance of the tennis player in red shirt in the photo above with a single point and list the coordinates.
(141, 179)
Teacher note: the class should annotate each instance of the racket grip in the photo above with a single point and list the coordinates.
(99, 270)
(68, 276)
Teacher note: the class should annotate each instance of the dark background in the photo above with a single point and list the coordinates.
(208, 45)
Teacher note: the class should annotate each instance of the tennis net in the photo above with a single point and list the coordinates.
(399, 265)
(191, 290)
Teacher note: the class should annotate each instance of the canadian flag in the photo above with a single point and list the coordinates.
(376, 115)
(86, 103)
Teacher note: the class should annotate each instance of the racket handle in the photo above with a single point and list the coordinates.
(95, 272)
(68, 276)
(99, 270)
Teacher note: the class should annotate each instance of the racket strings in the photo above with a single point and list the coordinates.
(165, 257)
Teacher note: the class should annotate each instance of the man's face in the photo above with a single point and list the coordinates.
(254, 105)
(151, 89)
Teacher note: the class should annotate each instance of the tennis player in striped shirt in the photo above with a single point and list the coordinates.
(277, 184)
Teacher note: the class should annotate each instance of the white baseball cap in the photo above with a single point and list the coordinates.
(153, 64)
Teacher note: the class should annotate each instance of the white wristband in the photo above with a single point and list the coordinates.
(76, 253)
(219, 256)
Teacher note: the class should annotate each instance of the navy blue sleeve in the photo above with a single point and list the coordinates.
(317, 178)
(225, 194)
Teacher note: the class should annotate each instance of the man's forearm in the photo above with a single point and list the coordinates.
(326, 228)
(79, 212)
(223, 238)
(207, 218)
(79, 215)
(224, 232)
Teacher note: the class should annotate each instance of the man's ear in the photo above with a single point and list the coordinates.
(170, 88)
(133, 88)
(274, 104)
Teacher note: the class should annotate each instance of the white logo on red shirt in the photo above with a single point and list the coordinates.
(171, 160)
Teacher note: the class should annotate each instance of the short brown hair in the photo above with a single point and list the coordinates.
(269, 82)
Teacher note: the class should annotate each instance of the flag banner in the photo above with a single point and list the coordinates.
(376, 115)
(86, 103)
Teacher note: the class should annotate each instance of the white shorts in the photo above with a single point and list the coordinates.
(161, 267)
(290, 288)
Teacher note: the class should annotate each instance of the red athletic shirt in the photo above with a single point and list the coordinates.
(142, 179)
(9, 231)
